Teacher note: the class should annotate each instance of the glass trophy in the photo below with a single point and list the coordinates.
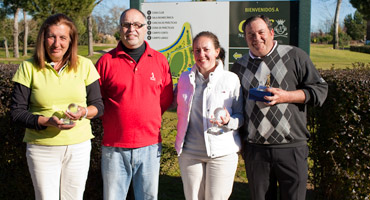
(259, 93)
(72, 108)
(217, 114)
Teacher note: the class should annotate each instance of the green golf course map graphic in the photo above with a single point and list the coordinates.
(179, 54)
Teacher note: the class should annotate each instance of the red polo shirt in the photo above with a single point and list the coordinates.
(135, 96)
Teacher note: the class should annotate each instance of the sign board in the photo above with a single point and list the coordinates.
(172, 26)
(280, 14)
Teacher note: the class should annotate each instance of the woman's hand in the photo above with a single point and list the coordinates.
(77, 115)
(224, 120)
(56, 122)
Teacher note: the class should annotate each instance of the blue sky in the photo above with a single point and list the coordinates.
(321, 10)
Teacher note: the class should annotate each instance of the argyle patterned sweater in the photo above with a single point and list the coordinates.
(285, 124)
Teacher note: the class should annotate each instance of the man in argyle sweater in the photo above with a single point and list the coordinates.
(275, 132)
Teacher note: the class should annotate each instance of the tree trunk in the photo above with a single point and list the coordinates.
(336, 25)
(15, 34)
(6, 47)
(25, 37)
(90, 35)
(367, 41)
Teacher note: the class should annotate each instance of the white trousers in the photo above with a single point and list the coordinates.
(59, 172)
(208, 178)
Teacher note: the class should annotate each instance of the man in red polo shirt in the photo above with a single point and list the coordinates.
(136, 87)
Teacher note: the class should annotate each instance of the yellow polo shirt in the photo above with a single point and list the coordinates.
(51, 93)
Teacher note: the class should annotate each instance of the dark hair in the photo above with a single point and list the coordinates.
(254, 18)
(215, 41)
(40, 55)
(124, 13)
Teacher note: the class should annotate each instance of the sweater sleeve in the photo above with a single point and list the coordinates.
(94, 98)
(312, 84)
(19, 108)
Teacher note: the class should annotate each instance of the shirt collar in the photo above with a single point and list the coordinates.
(61, 69)
(256, 57)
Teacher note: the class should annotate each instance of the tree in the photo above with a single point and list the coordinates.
(16, 34)
(90, 35)
(77, 10)
(336, 25)
(42, 9)
(363, 6)
(26, 5)
(2, 10)
(356, 26)
(115, 19)
(103, 22)
(6, 25)
(90, 26)
(109, 24)
(343, 38)
(25, 36)
(3, 28)
(14, 6)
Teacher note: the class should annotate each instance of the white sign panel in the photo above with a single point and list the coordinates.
(172, 27)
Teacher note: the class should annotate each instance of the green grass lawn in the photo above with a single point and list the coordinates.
(325, 57)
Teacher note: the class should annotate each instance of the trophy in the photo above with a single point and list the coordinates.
(72, 108)
(217, 114)
(258, 93)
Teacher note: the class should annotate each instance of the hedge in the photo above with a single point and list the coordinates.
(339, 144)
(362, 49)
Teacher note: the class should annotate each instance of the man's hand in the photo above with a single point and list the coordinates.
(283, 96)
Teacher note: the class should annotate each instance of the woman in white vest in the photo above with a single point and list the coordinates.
(208, 142)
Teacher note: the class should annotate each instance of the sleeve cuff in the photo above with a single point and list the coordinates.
(37, 125)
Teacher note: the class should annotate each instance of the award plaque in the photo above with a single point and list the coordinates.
(258, 94)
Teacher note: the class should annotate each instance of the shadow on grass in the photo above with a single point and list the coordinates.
(170, 188)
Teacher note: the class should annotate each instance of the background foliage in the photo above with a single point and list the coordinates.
(363, 49)
(356, 26)
(340, 143)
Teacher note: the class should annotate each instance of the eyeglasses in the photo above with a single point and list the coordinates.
(136, 25)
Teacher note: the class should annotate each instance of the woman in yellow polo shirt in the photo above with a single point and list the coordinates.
(56, 93)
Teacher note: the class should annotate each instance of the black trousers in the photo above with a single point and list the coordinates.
(267, 167)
